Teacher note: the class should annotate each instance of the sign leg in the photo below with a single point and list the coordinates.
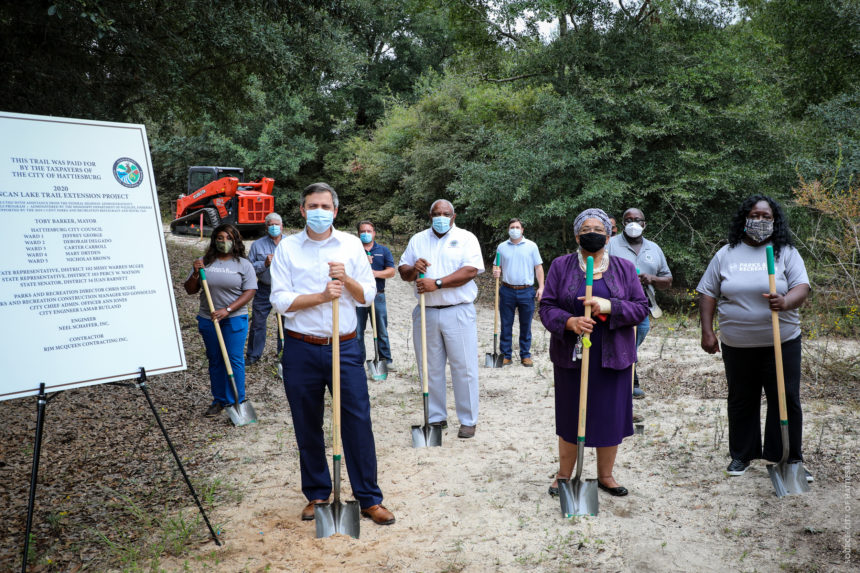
(37, 448)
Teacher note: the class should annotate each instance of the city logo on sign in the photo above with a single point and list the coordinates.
(127, 172)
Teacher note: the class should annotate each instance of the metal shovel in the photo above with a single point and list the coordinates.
(378, 370)
(579, 497)
(427, 435)
(787, 478)
(281, 338)
(241, 414)
(336, 517)
(495, 360)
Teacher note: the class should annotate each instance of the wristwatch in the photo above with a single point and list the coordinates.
(438, 283)
(228, 309)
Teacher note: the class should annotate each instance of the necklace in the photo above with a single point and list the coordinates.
(604, 262)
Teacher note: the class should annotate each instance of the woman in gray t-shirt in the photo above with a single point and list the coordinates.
(232, 283)
(736, 285)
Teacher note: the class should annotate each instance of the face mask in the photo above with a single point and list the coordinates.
(592, 242)
(274, 230)
(224, 246)
(366, 238)
(633, 230)
(319, 220)
(441, 224)
(515, 233)
(758, 229)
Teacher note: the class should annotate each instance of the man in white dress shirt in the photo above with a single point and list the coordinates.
(449, 258)
(309, 270)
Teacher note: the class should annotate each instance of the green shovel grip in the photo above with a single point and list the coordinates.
(498, 258)
(770, 265)
(420, 275)
(589, 271)
(202, 274)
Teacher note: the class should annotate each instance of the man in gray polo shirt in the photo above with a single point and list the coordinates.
(650, 263)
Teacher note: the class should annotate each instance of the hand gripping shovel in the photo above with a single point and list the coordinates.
(495, 360)
(579, 497)
(787, 478)
(427, 435)
(336, 517)
(240, 414)
(378, 369)
(281, 338)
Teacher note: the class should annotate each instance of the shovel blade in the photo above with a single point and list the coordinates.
(493, 360)
(337, 517)
(242, 414)
(788, 479)
(280, 371)
(426, 436)
(378, 370)
(577, 497)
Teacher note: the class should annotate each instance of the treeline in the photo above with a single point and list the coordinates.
(679, 107)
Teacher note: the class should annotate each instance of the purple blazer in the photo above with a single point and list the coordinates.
(629, 308)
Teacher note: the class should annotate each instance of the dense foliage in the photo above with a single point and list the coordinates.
(679, 107)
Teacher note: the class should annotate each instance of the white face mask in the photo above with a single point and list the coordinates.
(633, 230)
(515, 233)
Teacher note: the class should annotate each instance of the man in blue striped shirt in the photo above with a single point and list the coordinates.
(520, 265)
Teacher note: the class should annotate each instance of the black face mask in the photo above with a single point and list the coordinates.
(592, 242)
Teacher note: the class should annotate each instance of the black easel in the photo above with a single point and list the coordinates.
(40, 417)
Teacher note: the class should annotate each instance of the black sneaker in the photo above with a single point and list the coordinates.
(213, 410)
(737, 468)
(809, 478)
(443, 424)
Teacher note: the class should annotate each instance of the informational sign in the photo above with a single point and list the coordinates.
(85, 288)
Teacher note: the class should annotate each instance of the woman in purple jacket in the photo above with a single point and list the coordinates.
(619, 303)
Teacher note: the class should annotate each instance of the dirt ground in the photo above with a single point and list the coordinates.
(479, 504)
(482, 505)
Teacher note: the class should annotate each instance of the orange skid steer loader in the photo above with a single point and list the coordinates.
(216, 195)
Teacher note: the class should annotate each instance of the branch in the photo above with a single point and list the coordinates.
(513, 78)
(624, 8)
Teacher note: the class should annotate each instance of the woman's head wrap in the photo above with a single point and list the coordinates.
(592, 214)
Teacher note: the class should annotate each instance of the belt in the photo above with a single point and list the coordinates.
(446, 305)
(517, 287)
(318, 340)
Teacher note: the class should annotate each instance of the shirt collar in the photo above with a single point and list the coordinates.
(335, 235)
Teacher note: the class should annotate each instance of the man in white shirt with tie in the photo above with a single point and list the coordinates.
(449, 258)
(309, 270)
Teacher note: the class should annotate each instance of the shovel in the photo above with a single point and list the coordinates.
(427, 435)
(281, 338)
(495, 360)
(378, 370)
(240, 414)
(336, 517)
(788, 479)
(579, 497)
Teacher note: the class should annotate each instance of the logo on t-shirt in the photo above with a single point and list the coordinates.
(454, 244)
(748, 267)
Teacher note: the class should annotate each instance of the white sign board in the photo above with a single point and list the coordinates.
(85, 288)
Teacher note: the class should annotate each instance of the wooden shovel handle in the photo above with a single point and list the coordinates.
(496, 313)
(423, 343)
(217, 326)
(583, 374)
(777, 354)
(335, 375)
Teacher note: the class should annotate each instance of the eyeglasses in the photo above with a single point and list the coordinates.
(628, 221)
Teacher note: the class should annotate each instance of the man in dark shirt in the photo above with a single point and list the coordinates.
(382, 264)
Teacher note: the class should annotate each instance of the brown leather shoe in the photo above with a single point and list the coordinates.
(528, 362)
(379, 514)
(466, 432)
(507, 362)
(308, 511)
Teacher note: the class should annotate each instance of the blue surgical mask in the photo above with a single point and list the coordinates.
(515, 233)
(274, 230)
(366, 238)
(319, 220)
(441, 224)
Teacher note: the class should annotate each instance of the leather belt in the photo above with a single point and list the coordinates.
(520, 287)
(446, 305)
(318, 340)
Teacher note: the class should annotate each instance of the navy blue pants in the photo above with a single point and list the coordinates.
(233, 330)
(261, 307)
(510, 301)
(362, 313)
(748, 371)
(307, 373)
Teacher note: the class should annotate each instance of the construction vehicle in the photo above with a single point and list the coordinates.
(216, 195)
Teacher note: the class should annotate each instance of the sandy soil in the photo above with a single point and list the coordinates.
(482, 504)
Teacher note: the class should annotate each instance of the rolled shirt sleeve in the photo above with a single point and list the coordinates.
(283, 295)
